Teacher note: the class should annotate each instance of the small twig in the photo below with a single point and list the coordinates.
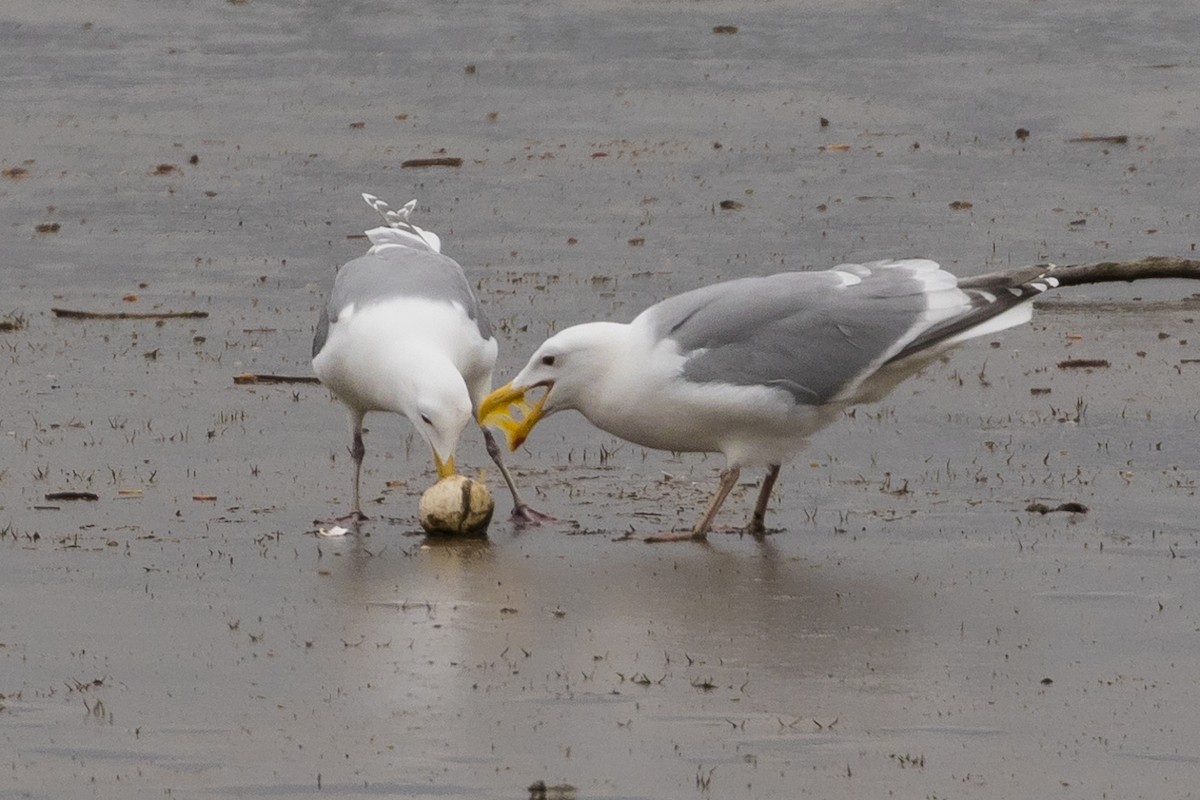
(92, 496)
(1083, 363)
(449, 161)
(1042, 508)
(251, 377)
(67, 313)
(1120, 138)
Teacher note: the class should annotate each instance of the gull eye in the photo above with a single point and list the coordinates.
(425, 418)
(548, 361)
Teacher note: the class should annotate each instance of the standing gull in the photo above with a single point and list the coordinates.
(750, 368)
(403, 332)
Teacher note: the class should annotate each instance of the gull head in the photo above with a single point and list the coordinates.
(439, 410)
(569, 366)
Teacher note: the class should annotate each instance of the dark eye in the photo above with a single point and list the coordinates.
(548, 361)
(425, 418)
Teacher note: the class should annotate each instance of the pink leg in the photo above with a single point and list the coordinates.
(758, 522)
(522, 514)
(699, 531)
(357, 451)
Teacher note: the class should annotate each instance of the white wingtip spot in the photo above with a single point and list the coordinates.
(1014, 291)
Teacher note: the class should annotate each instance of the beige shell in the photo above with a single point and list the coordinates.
(456, 505)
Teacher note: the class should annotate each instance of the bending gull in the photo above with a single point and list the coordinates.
(751, 367)
(402, 332)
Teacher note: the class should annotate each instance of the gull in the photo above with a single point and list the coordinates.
(751, 367)
(402, 332)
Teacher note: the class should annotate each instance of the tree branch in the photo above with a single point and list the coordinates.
(1101, 272)
(1128, 271)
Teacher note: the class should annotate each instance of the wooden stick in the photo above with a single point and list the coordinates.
(447, 161)
(252, 377)
(1128, 271)
(67, 313)
(1151, 267)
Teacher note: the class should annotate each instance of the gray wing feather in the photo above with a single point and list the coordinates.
(799, 331)
(322, 331)
(400, 272)
(983, 306)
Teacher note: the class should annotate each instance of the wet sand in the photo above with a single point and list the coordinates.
(909, 629)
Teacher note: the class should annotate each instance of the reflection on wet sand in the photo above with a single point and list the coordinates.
(524, 642)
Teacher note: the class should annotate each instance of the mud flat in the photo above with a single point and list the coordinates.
(984, 587)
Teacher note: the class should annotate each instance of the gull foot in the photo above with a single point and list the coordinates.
(525, 515)
(352, 519)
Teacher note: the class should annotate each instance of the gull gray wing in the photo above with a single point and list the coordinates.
(322, 332)
(399, 272)
(817, 335)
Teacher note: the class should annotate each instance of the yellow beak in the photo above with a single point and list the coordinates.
(444, 468)
(509, 410)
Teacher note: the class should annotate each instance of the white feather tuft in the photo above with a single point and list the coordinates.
(399, 231)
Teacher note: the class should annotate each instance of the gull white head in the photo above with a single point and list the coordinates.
(569, 365)
(439, 407)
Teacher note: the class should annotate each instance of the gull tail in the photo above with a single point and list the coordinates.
(399, 231)
(998, 301)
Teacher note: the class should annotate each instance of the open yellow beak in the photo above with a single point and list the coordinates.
(445, 468)
(509, 410)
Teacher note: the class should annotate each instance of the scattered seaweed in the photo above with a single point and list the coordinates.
(1070, 508)
(12, 322)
